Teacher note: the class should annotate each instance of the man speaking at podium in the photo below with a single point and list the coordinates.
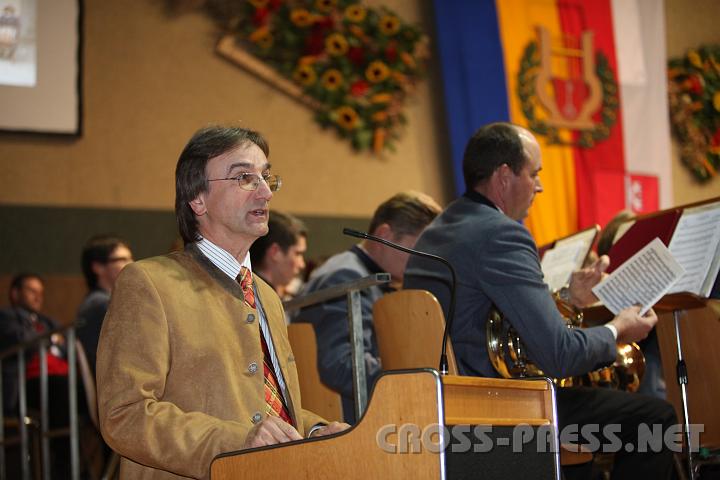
(497, 264)
(194, 358)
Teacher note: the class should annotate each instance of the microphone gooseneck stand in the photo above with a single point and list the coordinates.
(451, 308)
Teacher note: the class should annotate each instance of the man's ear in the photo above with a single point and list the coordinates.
(198, 205)
(96, 267)
(503, 172)
(14, 296)
(273, 251)
(384, 230)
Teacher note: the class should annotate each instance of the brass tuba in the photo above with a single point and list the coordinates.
(509, 358)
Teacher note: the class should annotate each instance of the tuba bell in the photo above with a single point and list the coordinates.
(509, 358)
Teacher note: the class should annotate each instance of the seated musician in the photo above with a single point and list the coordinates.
(193, 358)
(398, 219)
(497, 265)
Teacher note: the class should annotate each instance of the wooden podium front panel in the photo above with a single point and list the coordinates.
(500, 405)
(699, 331)
(413, 398)
(398, 399)
(493, 401)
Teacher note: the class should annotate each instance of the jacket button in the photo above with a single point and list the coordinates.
(252, 368)
(256, 417)
(250, 318)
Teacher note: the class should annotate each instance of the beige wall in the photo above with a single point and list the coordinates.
(151, 80)
(690, 23)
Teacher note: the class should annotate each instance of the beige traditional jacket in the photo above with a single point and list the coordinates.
(179, 369)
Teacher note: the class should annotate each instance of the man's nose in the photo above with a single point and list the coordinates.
(263, 191)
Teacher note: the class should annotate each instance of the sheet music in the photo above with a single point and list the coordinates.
(641, 280)
(565, 257)
(696, 246)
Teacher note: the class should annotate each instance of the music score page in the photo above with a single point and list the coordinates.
(565, 257)
(641, 280)
(696, 246)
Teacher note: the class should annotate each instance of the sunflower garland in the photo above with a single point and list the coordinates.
(358, 62)
(694, 98)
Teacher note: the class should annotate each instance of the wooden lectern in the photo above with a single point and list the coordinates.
(405, 426)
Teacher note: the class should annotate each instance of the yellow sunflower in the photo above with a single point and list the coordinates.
(389, 24)
(259, 3)
(377, 71)
(325, 6)
(716, 101)
(301, 17)
(332, 79)
(346, 117)
(305, 75)
(336, 45)
(355, 13)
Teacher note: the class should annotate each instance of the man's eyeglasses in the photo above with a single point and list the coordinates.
(251, 181)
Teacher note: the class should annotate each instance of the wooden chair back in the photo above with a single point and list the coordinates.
(409, 326)
(316, 397)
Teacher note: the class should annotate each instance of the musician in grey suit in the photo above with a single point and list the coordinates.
(497, 264)
(399, 219)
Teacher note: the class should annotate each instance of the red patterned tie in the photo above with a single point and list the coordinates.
(274, 404)
(245, 279)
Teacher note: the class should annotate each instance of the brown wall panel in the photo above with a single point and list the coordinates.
(48, 241)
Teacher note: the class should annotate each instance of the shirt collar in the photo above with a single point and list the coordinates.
(480, 198)
(370, 265)
(222, 259)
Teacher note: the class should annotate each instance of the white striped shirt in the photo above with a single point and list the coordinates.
(231, 267)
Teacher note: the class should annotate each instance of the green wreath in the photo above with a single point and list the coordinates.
(529, 64)
(694, 101)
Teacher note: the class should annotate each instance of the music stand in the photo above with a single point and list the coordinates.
(674, 303)
(678, 303)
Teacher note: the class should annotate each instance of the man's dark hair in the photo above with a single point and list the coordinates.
(283, 229)
(190, 175)
(490, 147)
(18, 281)
(407, 213)
(98, 249)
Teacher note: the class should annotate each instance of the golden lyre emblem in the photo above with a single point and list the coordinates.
(567, 86)
(563, 109)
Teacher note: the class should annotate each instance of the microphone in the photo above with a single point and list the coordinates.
(451, 308)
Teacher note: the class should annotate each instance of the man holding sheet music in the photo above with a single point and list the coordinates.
(497, 265)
